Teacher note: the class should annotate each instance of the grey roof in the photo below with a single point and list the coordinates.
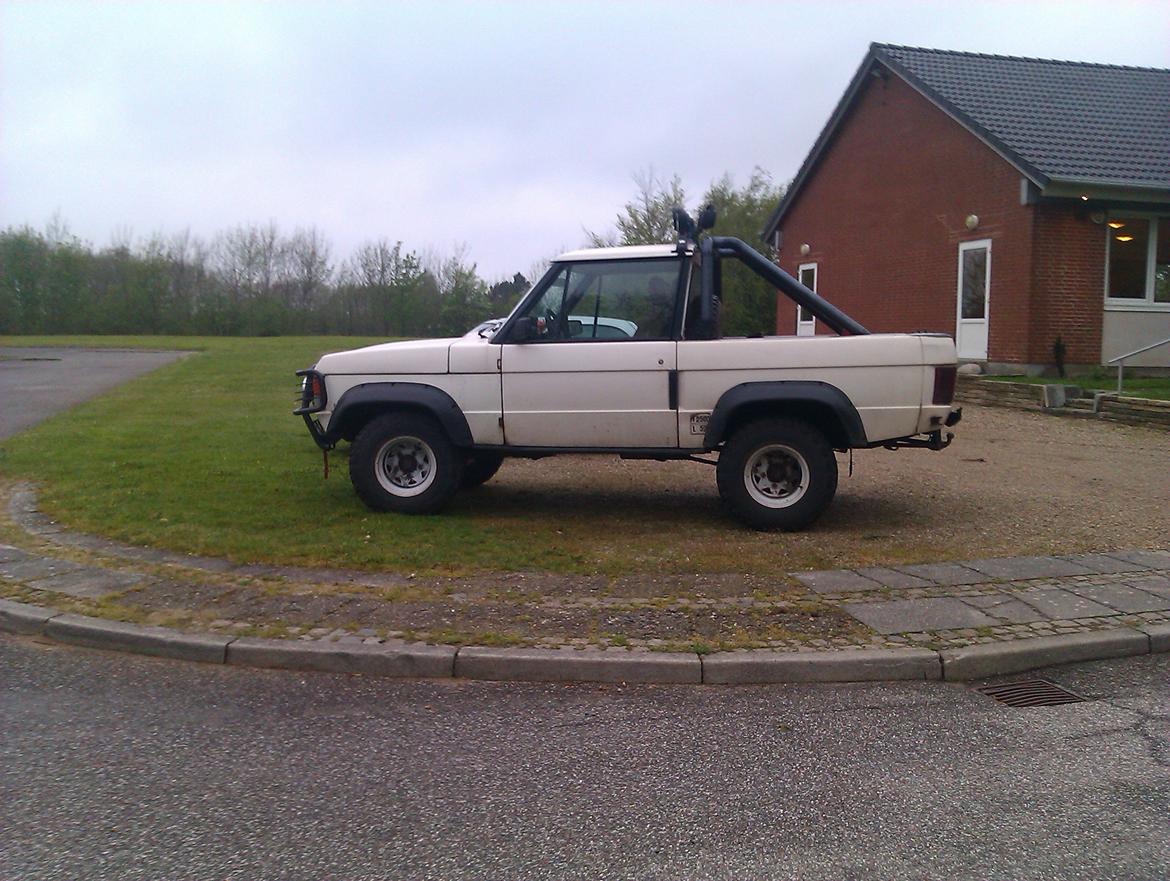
(1056, 121)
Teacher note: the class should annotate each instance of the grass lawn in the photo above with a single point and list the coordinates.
(1154, 387)
(204, 456)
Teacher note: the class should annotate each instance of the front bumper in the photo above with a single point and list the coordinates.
(314, 399)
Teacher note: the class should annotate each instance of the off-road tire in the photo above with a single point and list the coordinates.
(777, 474)
(404, 462)
(479, 468)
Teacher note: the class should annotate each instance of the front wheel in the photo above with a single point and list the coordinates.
(404, 462)
(480, 467)
(777, 474)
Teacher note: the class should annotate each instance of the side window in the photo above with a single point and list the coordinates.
(609, 300)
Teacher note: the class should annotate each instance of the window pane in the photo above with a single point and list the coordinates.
(1129, 244)
(1162, 262)
(974, 282)
(610, 300)
(808, 278)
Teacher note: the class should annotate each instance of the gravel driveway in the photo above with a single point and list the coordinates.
(1012, 483)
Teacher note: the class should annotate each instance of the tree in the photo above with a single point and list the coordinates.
(749, 303)
(647, 218)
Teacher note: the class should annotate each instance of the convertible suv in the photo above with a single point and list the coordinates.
(618, 350)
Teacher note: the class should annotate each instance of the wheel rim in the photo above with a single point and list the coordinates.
(405, 466)
(776, 476)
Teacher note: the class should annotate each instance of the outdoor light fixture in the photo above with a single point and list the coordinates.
(1084, 198)
(972, 221)
(1124, 238)
(804, 249)
(1116, 224)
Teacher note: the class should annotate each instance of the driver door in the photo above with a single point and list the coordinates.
(597, 371)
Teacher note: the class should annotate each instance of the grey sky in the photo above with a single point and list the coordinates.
(506, 126)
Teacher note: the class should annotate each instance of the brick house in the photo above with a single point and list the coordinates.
(1007, 202)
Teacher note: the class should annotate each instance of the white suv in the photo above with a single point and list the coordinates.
(618, 350)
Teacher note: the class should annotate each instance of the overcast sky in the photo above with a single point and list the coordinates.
(510, 127)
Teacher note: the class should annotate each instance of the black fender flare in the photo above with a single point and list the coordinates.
(408, 395)
(819, 394)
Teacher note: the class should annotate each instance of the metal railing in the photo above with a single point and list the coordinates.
(1120, 359)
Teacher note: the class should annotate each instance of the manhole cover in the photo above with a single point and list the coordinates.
(1030, 693)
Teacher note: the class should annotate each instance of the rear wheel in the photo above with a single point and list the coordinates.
(479, 468)
(777, 474)
(404, 462)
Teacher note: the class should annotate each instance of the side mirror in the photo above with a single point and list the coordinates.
(523, 330)
(575, 327)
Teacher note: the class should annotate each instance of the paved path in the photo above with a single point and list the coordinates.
(122, 767)
(44, 381)
(947, 620)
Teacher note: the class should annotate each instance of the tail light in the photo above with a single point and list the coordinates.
(944, 385)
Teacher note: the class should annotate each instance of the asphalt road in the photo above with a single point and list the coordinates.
(125, 767)
(35, 383)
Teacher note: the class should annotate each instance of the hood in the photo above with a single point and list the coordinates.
(413, 356)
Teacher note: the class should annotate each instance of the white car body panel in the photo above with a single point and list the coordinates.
(410, 357)
(589, 394)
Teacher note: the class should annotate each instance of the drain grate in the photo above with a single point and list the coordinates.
(1030, 693)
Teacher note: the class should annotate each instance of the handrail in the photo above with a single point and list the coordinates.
(1120, 359)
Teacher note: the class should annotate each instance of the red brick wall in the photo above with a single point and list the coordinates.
(884, 215)
(1068, 284)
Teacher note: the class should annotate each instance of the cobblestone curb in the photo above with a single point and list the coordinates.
(589, 665)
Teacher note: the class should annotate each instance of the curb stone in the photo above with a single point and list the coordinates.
(392, 658)
(401, 659)
(577, 665)
(1159, 635)
(998, 659)
(24, 619)
(162, 642)
(860, 665)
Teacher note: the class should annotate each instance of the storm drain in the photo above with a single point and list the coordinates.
(1030, 693)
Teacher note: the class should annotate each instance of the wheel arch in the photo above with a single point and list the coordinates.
(820, 404)
(369, 400)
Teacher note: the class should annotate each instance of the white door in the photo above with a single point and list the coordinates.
(974, 299)
(806, 323)
(599, 368)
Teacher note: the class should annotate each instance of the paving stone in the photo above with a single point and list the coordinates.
(88, 583)
(1148, 559)
(892, 577)
(835, 581)
(944, 573)
(1103, 564)
(1056, 603)
(1157, 584)
(1024, 568)
(9, 554)
(37, 567)
(902, 616)
(1122, 597)
(1007, 608)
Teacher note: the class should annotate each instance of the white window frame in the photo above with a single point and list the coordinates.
(1126, 304)
(811, 325)
(964, 247)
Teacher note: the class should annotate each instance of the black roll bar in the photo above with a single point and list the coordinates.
(729, 246)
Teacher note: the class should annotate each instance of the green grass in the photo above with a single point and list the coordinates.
(1153, 387)
(204, 456)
